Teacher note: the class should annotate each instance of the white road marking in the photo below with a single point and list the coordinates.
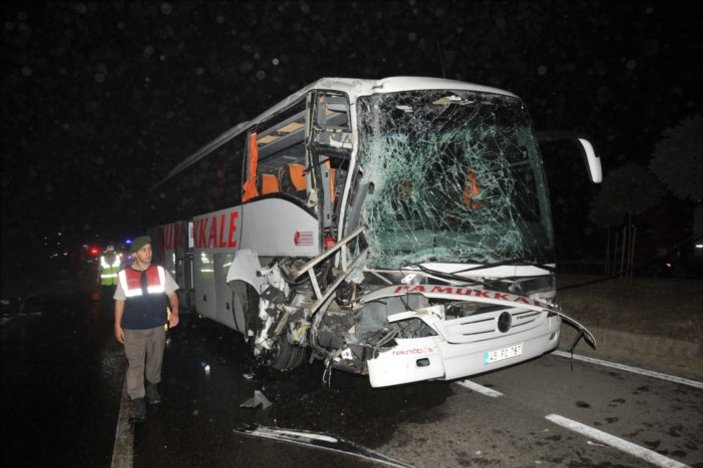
(123, 450)
(616, 442)
(480, 388)
(635, 370)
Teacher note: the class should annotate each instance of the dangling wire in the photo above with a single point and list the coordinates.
(327, 374)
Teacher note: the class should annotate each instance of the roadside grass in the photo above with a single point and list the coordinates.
(663, 307)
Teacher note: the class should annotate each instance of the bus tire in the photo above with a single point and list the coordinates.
(283, 356)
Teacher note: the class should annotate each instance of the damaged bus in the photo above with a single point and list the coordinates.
(397, 228)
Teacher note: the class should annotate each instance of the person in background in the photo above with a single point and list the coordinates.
(144, 292)
(109, 265)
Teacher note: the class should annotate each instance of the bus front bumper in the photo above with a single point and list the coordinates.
(433, 358)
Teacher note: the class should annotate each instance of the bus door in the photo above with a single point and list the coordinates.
(171, 250)
(183, 263)
(330, 149)
(216, 238)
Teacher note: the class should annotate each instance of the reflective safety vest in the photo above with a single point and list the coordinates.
(131, 281)
(108, 275)
(145, 298)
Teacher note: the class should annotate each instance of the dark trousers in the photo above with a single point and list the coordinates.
(108, 303)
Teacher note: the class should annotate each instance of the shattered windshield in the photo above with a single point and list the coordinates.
(457, 178)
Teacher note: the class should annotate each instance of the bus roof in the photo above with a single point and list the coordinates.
(353, 87)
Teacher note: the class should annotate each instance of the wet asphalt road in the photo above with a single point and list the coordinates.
(62, 379)
(62, 376)
(61, 382)
(210, 374)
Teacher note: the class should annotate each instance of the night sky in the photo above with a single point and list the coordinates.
(101, 99)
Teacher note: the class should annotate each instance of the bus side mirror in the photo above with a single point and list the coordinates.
(592, 161)
(590, 157)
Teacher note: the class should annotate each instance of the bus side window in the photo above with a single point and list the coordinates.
(233, 171)
(291, 179)
(269, 184)
(332, 113)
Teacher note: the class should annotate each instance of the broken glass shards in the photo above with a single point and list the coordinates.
(457, 178)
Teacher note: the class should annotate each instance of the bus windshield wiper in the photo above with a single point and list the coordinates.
(449, 276)
(510, 261)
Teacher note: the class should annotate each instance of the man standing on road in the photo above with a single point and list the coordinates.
(109, 265)
(144, 291)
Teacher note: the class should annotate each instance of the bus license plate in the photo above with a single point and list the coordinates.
(500, 354)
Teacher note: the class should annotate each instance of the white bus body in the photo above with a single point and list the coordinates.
(398, 228)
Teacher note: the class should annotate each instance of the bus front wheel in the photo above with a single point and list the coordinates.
(283, 355)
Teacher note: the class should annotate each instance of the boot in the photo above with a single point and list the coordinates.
(152, 394)
(138, 410)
